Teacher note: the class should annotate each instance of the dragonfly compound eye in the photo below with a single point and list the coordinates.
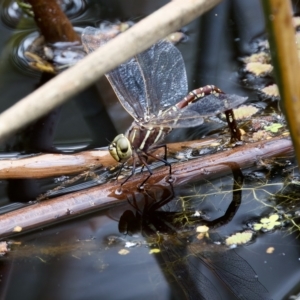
(120, 148)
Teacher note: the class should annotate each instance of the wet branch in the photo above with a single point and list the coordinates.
(52, 22)
(49, 165)
(69, 206)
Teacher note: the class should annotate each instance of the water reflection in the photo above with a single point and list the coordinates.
(190, 258)
(90, 252)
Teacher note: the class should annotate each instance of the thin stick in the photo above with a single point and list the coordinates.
(47, 165)
(281, 34)
(52, 22)
(169, 18)
(68, 206)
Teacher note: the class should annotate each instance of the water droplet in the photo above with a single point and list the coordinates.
(141, 187)
(118, 191)
(170, 179)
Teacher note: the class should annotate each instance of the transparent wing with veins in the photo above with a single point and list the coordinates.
(93, 38)
(192, 115)
(150, 84)
(163, 70)
(151, 81)
(130, 88)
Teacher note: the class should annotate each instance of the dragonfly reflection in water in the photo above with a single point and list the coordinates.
(153, 89)
(183, 254)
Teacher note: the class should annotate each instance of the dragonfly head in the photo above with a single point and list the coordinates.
(120, 148)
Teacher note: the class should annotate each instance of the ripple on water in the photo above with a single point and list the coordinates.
(13, 16)
(63, 54)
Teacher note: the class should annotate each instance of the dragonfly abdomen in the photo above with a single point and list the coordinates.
(198, 94)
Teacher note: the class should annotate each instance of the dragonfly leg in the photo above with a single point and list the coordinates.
(134, 203)
(231, 121)
(202, 92)
(120, 170)
(164, 160)
(238, 180)
(143, 166)
(144, 161)
(143, 157)
(132, 172)
(165, 147)
(165, 198)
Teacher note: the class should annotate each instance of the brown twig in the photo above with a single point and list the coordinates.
(48, 165)
(68, 206)
(52, 22)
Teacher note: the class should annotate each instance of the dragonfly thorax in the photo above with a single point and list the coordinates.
(120, 148)
(144, 137)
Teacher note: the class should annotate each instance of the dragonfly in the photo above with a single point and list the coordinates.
(152, 87)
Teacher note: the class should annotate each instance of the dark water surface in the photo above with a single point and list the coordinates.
(88, 258)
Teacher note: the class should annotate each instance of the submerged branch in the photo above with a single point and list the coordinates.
(138, 38)
(69, 206)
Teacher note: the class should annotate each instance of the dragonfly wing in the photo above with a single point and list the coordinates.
(93, 38)
(126, 80)
(128, 84)
(186, 270)
(191, 115)
(177, 118)
(236, 273)
(213, 105)
(163, 70)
